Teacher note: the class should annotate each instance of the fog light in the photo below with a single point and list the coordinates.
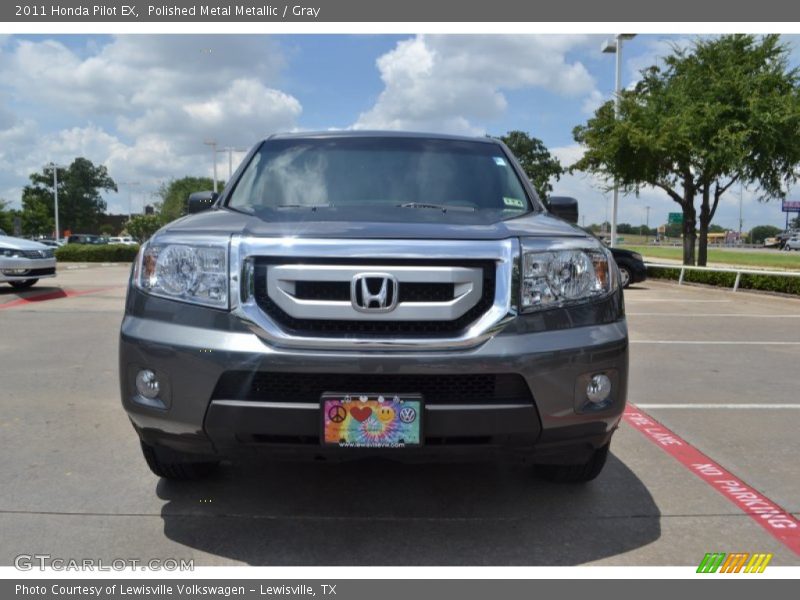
(15, 271)
(147, 384)
(599, 389)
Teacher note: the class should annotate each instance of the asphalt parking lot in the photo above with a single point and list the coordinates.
(717, 369)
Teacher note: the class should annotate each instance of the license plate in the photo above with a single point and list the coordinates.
(371, 420)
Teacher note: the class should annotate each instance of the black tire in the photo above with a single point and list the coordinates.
(21, 285)
(179, 466)
(580, 473)
(625, 275)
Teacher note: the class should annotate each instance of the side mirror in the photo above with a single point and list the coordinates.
(200, 201)
(564, 207)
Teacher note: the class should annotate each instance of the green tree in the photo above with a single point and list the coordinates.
(673, 230)
(175, 195)
(725, 110)
(79, 199)
(537, 162)
(795, 223)
(761, 232)
(37, 211)
(7, 216)
(142, 227)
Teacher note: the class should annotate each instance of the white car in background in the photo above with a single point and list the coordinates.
(23, 262)
(125, 240)
(793, 243)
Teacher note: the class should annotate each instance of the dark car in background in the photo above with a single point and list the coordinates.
(87, 238)
(631, 266)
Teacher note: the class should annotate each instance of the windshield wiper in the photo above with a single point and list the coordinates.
(441, 207)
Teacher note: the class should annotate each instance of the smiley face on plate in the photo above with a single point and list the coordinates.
(385, 413)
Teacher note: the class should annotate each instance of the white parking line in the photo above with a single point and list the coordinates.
(715, 343)
(772, 406)
(714, 315)
(629, 300)
(720, 406)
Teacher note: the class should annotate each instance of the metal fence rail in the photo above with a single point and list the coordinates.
(739, 272)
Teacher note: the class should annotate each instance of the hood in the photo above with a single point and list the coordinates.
(14, 243)
(360, 224)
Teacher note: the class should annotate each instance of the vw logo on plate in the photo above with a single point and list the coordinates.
(408, 414)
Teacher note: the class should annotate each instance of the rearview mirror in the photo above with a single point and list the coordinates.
(200, 201)
(564, 207)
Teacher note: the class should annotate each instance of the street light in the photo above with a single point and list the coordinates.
(615, 47)
(213, 144)
(230, 150)
(741, 195)
(130, 184)
(55, 167)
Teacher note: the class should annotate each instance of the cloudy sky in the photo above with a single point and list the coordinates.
(143, 105)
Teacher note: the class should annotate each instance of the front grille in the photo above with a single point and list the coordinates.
(42, 272)
(409, 292)
(48, 253)
(339, 291)
(502, 388)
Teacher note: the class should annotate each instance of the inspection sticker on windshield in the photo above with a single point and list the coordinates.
(513, 202)
(371, 420)
(500, 162)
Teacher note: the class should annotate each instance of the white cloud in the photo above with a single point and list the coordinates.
(446, 82)
(164, 96)
(592, 102)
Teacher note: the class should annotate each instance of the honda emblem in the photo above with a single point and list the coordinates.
(374, 292)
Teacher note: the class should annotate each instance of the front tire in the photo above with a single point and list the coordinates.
(21, 285)
(625, 276)
(580, 473)
(175, 465)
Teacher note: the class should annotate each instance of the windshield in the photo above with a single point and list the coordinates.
(402, 173)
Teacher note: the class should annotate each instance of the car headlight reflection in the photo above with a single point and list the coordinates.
(187, 272)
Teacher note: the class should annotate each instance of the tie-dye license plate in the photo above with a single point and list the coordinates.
(371, 420)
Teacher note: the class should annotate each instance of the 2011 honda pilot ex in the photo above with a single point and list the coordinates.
(359, 294)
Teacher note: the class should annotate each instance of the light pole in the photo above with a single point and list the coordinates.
(647, 225)
(213, 144)
(55, 167)
(741, 193)
(230, 150)
(130, 185)
(615, 47)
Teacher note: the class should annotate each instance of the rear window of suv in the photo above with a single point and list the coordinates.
(380, 171)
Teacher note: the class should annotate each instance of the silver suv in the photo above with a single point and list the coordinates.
(375, 294)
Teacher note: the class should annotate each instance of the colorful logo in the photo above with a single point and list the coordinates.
(736, 562)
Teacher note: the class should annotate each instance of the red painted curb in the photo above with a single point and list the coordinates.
(775, 520)
(53, 296)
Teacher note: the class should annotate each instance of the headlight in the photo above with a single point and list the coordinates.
(637, 256)
(565, 275)
(190, 272)
(9, 252)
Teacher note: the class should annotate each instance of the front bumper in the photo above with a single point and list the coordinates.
(34, 268)
(554, 425)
